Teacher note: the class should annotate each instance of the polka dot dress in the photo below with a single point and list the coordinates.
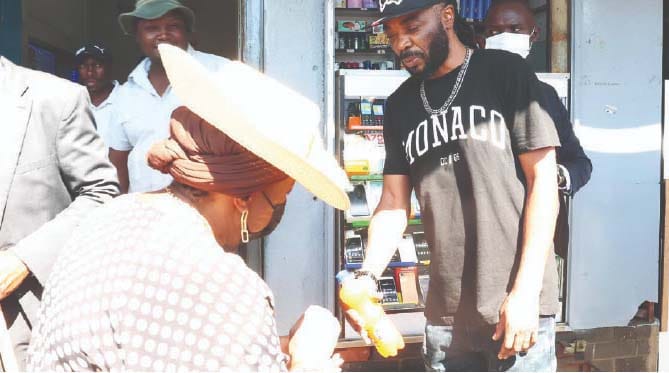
(144, 286)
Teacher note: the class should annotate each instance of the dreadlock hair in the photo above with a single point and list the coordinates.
(463, 30)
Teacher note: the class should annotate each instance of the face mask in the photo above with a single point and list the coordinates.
(277, 214)
(514, 43)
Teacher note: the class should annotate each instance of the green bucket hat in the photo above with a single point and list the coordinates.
(152, 9)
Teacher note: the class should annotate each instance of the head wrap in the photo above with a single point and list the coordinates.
(201, 156)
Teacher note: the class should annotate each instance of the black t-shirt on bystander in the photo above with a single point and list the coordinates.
(463, 164)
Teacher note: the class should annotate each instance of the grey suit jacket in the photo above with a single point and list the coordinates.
(53, 170)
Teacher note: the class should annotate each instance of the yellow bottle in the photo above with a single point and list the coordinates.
(383, 333)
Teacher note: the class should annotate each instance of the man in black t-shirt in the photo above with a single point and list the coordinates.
(510, 25)
(469, 134)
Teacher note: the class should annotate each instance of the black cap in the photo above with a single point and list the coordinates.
(96, 51)
(395, 8)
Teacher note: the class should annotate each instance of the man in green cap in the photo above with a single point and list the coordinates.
(146, 101)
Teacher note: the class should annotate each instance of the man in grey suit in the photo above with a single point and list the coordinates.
(53, 171)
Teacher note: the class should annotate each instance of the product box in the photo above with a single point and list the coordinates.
(356, 167)
(407, 280)
(378, 40)
(340, 3)
(370, 4)
(351, 26)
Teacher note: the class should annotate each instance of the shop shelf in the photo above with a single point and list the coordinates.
(373, 51)
(364, 128)
(402, 307)
(366, 178)
(354, 266)
(365, 223)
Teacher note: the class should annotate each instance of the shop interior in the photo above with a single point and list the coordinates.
(367, 73)
(53, 30)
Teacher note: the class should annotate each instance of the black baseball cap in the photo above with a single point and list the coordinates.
(94, 50)
(395, 8)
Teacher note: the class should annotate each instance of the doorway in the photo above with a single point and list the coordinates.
(52, 31)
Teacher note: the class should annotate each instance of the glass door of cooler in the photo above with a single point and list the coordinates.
(360, 107)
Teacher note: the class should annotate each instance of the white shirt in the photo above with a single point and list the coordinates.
(103, 113)
(141, 118)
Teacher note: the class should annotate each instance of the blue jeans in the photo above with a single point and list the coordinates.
(450, 348)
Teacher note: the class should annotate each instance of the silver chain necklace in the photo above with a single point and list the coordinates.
(454, 92)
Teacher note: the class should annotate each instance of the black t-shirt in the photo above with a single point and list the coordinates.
(464, 167)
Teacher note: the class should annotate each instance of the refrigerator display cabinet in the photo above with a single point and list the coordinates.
(359, 106)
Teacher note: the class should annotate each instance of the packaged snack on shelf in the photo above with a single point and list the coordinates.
(374, 189)
(379, 40)
(358, 202)
(415, 206)
(351, 26)
(407, 250)
(423, 282)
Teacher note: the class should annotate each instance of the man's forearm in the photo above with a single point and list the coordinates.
(384, 234)
(541, 210)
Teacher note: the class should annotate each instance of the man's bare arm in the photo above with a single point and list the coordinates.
(388, 223)
(519, 314)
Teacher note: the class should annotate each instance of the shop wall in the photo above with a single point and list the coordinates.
(59, 24)
(10, 30)
(616, 82)
(298, 256)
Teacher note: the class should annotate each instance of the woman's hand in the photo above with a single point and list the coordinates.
(313, 339)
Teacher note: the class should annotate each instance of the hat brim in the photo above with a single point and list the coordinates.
(83, 55)
(149, 11)
(242, 97)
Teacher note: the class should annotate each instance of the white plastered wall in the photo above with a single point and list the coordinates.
(616, 98)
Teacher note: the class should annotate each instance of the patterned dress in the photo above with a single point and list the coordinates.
(143, 286)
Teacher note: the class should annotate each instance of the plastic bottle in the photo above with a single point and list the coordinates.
(383, 333)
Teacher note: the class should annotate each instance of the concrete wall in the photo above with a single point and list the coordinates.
(616, 98)
(298, 257)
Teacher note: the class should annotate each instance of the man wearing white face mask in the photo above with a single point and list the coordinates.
(510, 26)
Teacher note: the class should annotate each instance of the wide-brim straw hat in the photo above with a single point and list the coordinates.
(153, 9)
(267, 118)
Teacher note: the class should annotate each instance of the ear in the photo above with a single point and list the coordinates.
(448, 17)
(240, 204)
(535, 36)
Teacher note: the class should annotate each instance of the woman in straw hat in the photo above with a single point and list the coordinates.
(144, 283)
